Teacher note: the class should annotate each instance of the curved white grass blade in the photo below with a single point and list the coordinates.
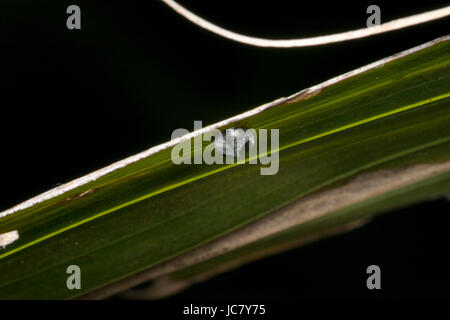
(313, 41)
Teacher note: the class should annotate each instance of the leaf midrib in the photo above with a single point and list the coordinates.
(225, 167)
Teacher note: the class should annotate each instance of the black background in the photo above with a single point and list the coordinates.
(75, 101)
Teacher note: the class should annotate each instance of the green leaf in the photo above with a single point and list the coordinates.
(364, 142)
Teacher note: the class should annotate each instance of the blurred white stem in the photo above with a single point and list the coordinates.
(313, 41)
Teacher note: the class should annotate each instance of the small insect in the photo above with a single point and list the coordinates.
(8, 238)
(233, 142)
